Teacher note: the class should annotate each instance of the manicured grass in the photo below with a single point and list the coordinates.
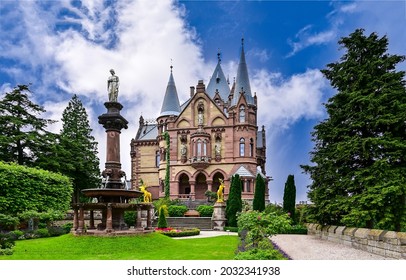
(152, 246)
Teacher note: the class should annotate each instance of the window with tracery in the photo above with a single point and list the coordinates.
(242, 147)
(242, 113)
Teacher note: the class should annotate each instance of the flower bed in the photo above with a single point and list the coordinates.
(178, 232)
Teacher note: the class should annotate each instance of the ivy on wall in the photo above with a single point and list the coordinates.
(167, 139)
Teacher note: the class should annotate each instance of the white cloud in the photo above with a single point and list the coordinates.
(283, 102)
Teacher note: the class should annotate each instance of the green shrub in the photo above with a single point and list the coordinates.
(16, 234)
(296, 229)
(232, 229)
(7, 251)
(130, 218)
(211, 196)
(56, 231)
(205, 210)
(260, 254)
(177, 210)
(6, 244)
(67, 227)
(8, 222)
(42, 232)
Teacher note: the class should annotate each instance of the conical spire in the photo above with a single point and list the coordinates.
(242, 83)
(218, 82)
(171, 105)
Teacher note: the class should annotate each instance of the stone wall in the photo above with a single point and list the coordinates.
(381, 242)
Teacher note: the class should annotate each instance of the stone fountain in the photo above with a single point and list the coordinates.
(114, 197)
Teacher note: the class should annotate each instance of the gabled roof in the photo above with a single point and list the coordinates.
(242, 83)
(171, 105)
(218, 82)
(243, 172)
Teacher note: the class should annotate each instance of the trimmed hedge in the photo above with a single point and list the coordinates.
(205, 210)
(177, 210)
(23, 188)
(181, 232)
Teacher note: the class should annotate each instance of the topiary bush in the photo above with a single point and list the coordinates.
(205, 210)
(162, 223)
(177, 210)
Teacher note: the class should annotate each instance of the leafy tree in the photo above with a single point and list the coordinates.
(23, 133)
(360, 149)
(259, 195)
(80, 161)
(234, 202)
(289, 196)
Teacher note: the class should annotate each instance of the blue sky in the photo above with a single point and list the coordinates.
(67, 47)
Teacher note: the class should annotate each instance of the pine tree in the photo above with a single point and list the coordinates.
(81, 162)
(360, 149)
(162, 223)
(289, 196)
(234, 201)
(23, 133)
(259, 195)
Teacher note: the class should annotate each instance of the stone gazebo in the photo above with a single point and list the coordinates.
(113, 198)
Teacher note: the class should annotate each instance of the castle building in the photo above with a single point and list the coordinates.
(213, 135)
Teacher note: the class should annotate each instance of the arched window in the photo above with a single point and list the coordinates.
(242, 113)
(251, 147)
(242, 147)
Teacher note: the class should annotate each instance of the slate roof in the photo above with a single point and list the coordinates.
(148, 132)
(171, 105)
(218, 82)
(242, 82)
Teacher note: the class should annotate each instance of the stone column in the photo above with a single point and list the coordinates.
(219, 216)
(109, 220)
(81, 227)
(75, 218)
(149, 217)
(192, 190)
(91, 221)
(139, 218)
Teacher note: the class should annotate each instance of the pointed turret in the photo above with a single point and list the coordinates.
(218, 82)
(242, 83)
(171, 105)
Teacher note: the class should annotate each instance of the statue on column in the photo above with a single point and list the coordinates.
(112, 86)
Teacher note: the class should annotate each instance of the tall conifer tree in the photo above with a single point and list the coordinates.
(234, 201)
(81, 162)
(359, 158)
(289, 196)
(259, 195)
(23, 134)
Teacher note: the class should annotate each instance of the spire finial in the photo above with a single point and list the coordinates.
(171, 65)
(242, 40)
(219, 55)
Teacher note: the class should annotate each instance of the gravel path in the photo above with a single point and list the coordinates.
(307, 247)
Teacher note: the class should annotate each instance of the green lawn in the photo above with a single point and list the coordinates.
(152, 246)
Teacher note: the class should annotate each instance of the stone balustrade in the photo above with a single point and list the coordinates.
(381, 242)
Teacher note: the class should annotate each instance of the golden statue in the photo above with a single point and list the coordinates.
(147, 194)
(220, 195)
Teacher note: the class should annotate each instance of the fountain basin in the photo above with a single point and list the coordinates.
(111, 193)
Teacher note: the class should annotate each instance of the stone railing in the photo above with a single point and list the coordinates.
(381, 242)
